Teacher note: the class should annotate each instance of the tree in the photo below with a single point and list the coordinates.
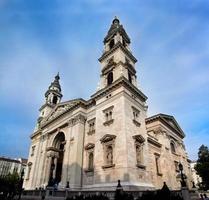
(202, 166)
(9, 186)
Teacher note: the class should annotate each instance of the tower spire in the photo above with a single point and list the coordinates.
(53, 94)
(115, 28)
(117, 60)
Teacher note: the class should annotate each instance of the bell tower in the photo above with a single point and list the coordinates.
(53, 96)
(117, 59)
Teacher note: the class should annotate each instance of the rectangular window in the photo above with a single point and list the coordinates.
(108, 112)
(136, 113)
(91, 128)
(157, 162)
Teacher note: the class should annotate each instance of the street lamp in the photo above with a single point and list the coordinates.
(183, 183)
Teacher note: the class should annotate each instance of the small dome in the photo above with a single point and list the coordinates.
(116, 20)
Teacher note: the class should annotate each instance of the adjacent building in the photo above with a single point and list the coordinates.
(10, 166)
(196, 178)
(92, 143)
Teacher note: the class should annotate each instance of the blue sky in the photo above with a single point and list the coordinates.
(39, 38)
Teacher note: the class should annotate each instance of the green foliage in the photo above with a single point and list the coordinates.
(202, 166)
(9, 186)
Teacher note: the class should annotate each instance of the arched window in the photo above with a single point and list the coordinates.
(54, 101)
(109, 78)
(173, 149)
(91, 161)
(129, 77)
(112, 43)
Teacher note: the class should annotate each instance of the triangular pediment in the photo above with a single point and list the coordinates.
(60, 109)
(173, 123)
(169, 121)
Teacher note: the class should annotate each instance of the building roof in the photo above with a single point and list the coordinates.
(14, 160)
(24, 161)
(9, 159)
(116, 27)
(167, 120)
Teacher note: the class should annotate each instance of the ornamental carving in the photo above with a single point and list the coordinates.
(89, 146)
(139, 138)
(77, 119)
(59, 110)
(107, 138)
(159, 130)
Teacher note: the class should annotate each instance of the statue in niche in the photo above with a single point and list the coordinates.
(109, 155)
(138, 154)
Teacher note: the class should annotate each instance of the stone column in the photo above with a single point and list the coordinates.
(48, 168)
(55, 167)
(76, 152)
(65, 164)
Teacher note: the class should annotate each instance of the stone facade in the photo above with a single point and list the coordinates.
(92, 144)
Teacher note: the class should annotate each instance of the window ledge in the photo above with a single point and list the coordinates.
(108, 166)
(136, 123)
(107, 123)
(91, 132)
(141, 166)
(174, 153)
(89, 170)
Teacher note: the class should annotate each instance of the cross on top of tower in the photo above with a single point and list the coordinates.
(56, 83)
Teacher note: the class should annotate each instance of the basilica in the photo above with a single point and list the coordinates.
(91, 144)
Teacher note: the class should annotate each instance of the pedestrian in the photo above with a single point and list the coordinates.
(205, 197)
(201, 197)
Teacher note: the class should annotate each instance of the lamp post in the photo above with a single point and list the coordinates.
(183, 183)
(20, 184)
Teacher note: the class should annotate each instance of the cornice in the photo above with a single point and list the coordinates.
(118, 83)
(54, 92)
(111, 66)
(38, 132)
(46, 104)
(77, 119)
(154, 142)
(114, 30)
(118, 45)
(74, 107)
(108, 67)
(160, 118)
(130, 67)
